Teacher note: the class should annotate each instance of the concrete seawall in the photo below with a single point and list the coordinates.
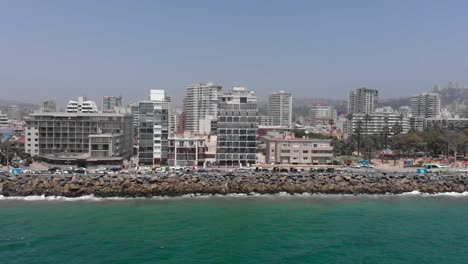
(175, 185)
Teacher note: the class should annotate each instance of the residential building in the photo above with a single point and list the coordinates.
(425, 105)
(186, 150)
(237, 127)
(110, 103)
(298, 151)
(4, 120)
(405, 111)
(92, 138)
(446, 123)
(265, 121)
(83, 105)
(201, 103)
(280, 108)
(49, 106)
(13, 113)
(362, 101)
(378, 121)
(154, 129)
(321, 114)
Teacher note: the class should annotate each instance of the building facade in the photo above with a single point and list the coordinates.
(88, 136)
(83, 105)
(237, 128)
(362, 101)
(49, 106)
(425, 105)
(153, 129)
(321, 114)
(280, 108)
(298, 151)
(200, 103)
(110, 103)
(186, 150)
(378, 121)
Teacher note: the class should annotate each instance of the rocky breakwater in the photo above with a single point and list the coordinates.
(175, 185)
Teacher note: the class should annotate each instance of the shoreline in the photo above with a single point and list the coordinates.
(172, 185)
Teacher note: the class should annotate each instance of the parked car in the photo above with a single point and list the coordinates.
(202, 171)
(435, 168)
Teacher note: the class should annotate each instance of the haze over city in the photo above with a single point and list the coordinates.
(65, 49)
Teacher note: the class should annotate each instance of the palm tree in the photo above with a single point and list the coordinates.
(368, 118)
(358, 131)
(350, 118)
(386, 131)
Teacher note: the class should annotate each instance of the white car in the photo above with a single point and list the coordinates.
(463, 170)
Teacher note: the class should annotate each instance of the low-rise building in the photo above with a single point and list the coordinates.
(186, 150)
(79, 137)
(298, 151)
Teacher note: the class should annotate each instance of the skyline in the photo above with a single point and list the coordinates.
(62, 50)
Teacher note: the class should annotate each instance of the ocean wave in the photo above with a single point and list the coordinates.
(230, 195)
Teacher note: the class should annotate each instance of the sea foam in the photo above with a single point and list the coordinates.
(230, 195)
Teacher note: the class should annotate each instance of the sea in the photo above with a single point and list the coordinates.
(282, 228)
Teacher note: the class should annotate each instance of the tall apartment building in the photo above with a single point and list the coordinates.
(237, 127)
(4, 120)
(83, 105)
(93, 138)
(280, 108)
(362, 101)
(13, 112)
(200, 103)
(49, 106)
(153, 129)
(321, 114)
(109, 103)
(425, 105)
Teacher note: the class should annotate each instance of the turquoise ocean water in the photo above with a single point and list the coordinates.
(270, 229)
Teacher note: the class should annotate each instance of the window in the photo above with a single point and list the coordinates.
(243, 100)
(305, 145)
(295, 151)
(285, 151)
(305, 151)
(305, 158)
(315, 145)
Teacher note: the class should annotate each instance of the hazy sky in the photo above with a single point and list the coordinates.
(63, 49)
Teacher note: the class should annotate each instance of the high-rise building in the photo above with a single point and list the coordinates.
(321, 114)
(280, 108)
(425, 105)
(4, 120)
(201, 103)
(92, 138)
(83, 105)
(49, 106)
(237, 127)
(362, 101)
(109, 103)
(154, 129)
(13, 113)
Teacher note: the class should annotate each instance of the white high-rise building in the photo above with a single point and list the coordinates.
(201, 103)
(425, 105)
(280, 108)
(362, 101)
(83, 105)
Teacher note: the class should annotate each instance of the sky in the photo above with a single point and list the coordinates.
(64, 49)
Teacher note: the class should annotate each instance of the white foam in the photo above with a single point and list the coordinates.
(230, 195)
